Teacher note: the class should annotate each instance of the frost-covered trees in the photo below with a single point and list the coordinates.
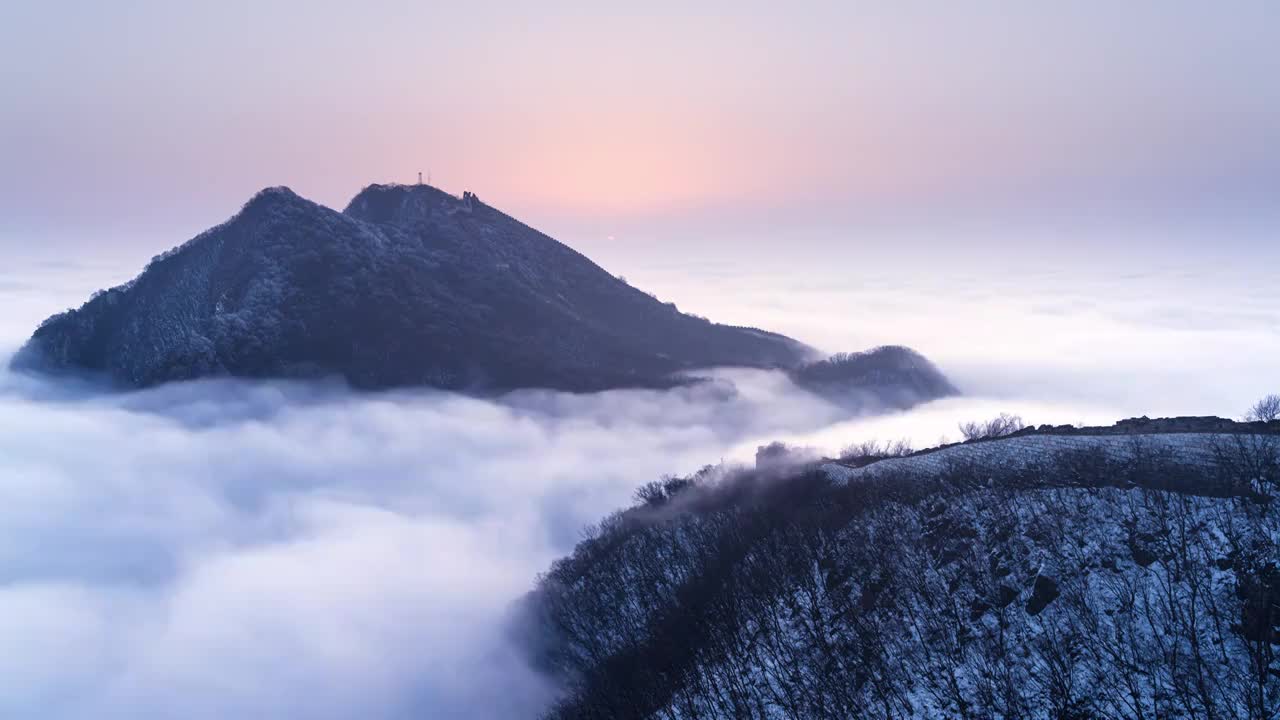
(402, 289)
(1074, 588)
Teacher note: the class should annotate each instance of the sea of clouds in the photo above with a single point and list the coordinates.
(267, 549)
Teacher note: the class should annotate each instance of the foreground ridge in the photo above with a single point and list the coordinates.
(1082, 582)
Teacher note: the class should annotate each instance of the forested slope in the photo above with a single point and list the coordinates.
(408, 286)
(1083, 584)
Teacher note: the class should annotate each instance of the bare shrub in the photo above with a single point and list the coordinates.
(1265, 410)
(871, 450)
(1004, 424)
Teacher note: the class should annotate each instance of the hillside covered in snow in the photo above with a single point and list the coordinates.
(1124, 572)
(412, 286)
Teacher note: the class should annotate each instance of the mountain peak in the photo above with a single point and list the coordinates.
(272, 195)
(271, 201)
(411, 286)
(393, 202)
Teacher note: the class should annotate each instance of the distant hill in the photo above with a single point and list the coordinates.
(1125, 572)
(408, 286)
(888, 377)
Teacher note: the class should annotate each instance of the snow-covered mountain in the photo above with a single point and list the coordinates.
(408, 286)
(1124, 572)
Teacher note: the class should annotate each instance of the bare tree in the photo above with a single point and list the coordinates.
(1005, 424)
(1265, 410)
(871, 450)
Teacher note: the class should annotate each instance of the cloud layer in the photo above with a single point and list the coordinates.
(229, 548)
(260, 549)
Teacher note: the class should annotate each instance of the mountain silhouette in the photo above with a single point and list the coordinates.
(409, 286)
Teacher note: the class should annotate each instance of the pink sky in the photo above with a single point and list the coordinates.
(148, 115)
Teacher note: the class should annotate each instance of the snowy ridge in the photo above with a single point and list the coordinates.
(1201, 449)
(1123, 572)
